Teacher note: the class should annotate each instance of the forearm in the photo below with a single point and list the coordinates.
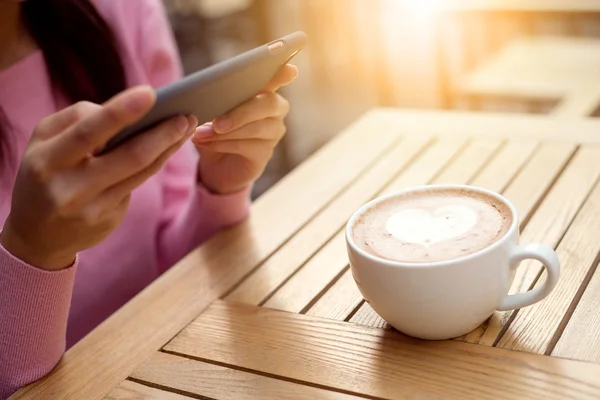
(34, 308)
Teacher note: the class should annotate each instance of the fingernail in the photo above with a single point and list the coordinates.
(222, 124)
(182, 124)
(203, 132)
(193, 123)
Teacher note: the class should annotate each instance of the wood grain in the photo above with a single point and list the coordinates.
(339, 301)
(485, 125)
(531, 184)
(497, 175)
(220, 383)
(535, 328)
(314, 277)
(277, 268)
(376, 362)
(128, 390)
(471, 161)
(129, 336)
(580, 339)
(548, 226)
(368, 317)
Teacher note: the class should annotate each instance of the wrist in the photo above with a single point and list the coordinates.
(36, 257)
(218, 188)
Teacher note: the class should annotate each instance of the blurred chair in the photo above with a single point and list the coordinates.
(540, 74)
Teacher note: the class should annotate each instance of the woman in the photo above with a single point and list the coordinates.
(81, 234)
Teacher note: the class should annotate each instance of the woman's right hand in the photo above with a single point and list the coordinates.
(65, 199)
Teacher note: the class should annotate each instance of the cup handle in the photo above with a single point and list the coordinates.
(546, 256)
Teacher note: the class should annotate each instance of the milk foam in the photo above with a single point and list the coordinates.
(434, 225)
(425, 227)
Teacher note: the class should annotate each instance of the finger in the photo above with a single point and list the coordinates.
(265, 129)
(257, 151)
(287, 74)
(94, 130)
(136, 155)
(113, 197)
(54, 124)
(264, 105)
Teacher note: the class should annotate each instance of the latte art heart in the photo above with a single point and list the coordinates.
(431, 226)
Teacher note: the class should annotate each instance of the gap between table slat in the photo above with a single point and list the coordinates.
(129, 390)
(535, 328)
(343, 300)
(548, 225)
(580, 339)
(304, 286)
(526, 191)
(274, 270)
(204, 379)
(477, 156)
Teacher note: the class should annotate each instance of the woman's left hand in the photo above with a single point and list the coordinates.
(235, 148)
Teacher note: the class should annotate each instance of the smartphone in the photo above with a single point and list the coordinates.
(218, 89)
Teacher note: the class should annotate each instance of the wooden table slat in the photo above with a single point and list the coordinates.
(511, 126)
(368, 317)
(504, 166)
(510, 160)
(376, 362)
(314, 277)
(472, 159)
(580, 339)
(548, 225)
(216, 382)
(535, 328)
(525, 191)
(323, 226)
(128, 390)
(533, 181)
(339, 301)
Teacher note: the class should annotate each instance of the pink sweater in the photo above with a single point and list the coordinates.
(43, 313)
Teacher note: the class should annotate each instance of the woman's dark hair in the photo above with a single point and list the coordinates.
(81, 53)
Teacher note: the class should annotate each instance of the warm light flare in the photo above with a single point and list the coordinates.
(419, 6)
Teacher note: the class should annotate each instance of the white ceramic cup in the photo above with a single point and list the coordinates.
(447, 299)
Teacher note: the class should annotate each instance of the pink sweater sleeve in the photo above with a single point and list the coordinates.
(34, 306)
(191, 213)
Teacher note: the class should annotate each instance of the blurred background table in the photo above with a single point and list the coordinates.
(268, 309)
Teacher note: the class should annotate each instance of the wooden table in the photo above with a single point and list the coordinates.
(543, 69)
(268, 309)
